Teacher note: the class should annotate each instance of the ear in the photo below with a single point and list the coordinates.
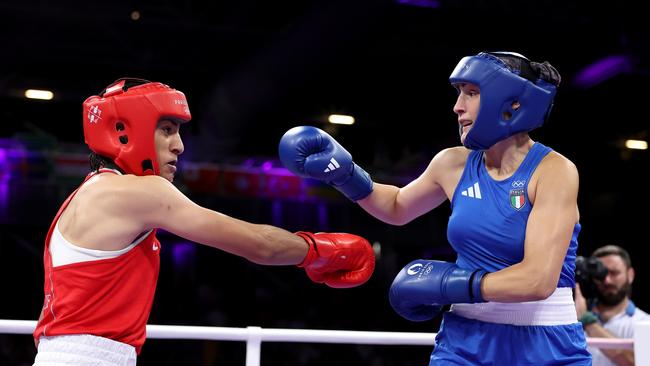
(630, 275)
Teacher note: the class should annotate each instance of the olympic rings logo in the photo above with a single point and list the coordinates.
(518, 183)
(414, 269)
(422, 269)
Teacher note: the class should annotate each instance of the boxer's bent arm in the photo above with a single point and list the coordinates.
(156, 203)
(548, 234)
(399, 206)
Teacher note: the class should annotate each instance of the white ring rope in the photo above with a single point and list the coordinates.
(252, 333)
(254, 336)
(258, 334)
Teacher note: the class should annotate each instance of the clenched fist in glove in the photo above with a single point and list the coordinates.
(423, 286)
(312, 153)
(338, 260)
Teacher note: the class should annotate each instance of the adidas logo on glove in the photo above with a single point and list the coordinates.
(333, 165)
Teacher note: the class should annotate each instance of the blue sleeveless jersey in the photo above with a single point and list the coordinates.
(487, 226)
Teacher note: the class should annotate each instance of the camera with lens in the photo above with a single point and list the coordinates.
(589, 269)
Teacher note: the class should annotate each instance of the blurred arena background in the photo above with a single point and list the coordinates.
(252, 69)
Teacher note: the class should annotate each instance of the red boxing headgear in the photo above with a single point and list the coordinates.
(120, 122)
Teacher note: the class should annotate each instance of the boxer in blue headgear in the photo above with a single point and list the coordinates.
(514, 223)
(516, 95)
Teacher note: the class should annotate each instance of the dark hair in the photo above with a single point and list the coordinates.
(613, 250)
(98, 161)
(530, 70)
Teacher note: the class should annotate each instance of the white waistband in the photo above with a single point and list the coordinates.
(557, 309)
(83, 350)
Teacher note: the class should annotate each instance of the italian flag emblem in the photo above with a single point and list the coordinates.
(517, 198)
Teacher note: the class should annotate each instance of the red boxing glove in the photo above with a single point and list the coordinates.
(338, 260)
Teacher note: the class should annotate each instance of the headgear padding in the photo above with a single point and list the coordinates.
(532, 85)
(120, 122)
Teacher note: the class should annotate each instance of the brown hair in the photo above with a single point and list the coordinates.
(614, 250)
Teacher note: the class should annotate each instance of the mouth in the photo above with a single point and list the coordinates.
(464, 125)
(172, 165)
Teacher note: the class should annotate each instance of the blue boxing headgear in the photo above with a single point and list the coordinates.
(504, 78)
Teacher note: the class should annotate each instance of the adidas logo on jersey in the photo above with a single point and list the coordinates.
(333, 165)
(473, 191)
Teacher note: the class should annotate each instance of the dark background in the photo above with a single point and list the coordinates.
(251, 70)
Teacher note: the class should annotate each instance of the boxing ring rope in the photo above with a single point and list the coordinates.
(254, 336)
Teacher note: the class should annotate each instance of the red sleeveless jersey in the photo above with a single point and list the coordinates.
(109, 298)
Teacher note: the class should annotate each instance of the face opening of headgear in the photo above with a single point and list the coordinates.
(120, 122)
(516, 95)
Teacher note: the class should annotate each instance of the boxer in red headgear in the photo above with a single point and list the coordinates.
(119, 122)
(101, 253)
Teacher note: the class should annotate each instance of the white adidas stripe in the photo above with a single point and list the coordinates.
(332, 165)
(473, 191)
(477, 191)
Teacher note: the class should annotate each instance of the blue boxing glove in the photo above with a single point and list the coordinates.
(312, 153)
(422, 287)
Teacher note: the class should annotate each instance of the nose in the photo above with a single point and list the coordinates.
(459, 107)
(177, 146)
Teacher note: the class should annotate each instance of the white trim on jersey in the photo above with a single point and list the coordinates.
(63, 252)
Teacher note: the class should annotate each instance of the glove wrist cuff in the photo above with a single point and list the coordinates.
(358, 185)
(312, 253)
(475, 286)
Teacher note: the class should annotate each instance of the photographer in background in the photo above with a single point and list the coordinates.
(603, 305)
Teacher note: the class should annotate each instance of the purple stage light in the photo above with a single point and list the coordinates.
(183, 253)
(5, 176)
(5, 167)
(267, 165)
(421, 3)
(603, 69)
(13, 157)
(248, 163)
